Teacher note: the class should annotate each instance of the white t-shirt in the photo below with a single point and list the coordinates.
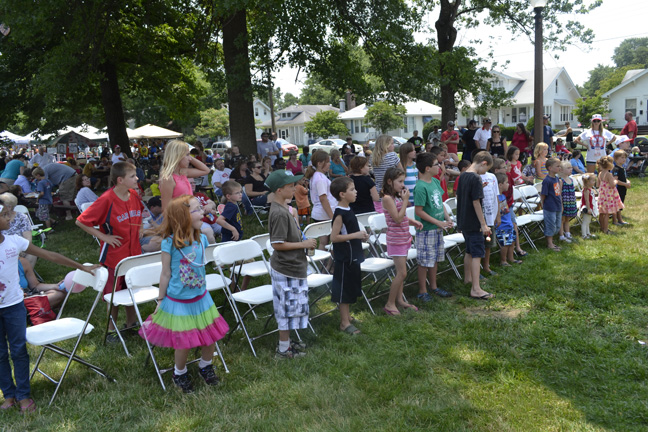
(490, 204)
(481, 137)
(41, 160)
(10, 291)
(595, 143)
(220, 177)
(321, 185)
(121, 157)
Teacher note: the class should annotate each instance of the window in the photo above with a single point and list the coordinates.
(631, 105)
(523, 115)
(566, 113)
(256, 112)
(283, 133)
(363, 128)
(547, 111)
(496, 84)
(514, 115)
(265, 112)
(556, 86)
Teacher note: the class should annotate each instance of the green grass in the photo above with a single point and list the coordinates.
(555, 351)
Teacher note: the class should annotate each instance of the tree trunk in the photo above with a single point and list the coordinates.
(239, 82)
(113, 109)
(447, 36)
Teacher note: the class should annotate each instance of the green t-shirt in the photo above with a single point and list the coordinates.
(430, 197)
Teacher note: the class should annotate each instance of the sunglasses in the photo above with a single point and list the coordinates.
(496, 131)
(596, 121)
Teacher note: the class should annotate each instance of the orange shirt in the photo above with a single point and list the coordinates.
(301, 196)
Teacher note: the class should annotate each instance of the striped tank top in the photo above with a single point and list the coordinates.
(411, 175)
(397, 233)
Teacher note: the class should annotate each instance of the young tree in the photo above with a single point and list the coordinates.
(384, 116)
(213, 123)
(326, 123)
(587, 107)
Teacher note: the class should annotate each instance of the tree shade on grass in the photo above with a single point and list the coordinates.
(556, 350)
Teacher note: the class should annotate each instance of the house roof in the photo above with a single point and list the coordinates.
(630, 76)
(525, 93)
(260, 102)
(303, 114)
(415, 107)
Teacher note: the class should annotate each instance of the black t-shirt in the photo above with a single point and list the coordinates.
(417, 141)
(234, 160)
(364, 202)
(351, 250)
(257, 185)
(469, 144)
(470, 189)
(620, 173)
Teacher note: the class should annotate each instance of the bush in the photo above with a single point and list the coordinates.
(508, 132)
(429, 126)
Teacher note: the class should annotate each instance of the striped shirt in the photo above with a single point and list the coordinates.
(389, 161)
(397, 233)
(411, 176)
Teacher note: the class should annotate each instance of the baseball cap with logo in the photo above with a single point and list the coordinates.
(280, 178)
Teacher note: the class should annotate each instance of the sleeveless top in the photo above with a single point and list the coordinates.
(397, 233)
(569, 200)
(591, 204)
(411, 175)
(182, 187)
(496, 148)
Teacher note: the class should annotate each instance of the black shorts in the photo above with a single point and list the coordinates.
(347, 282)
(622, 194)
(475, 243)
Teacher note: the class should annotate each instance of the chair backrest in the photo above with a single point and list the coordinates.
(96, 281)
(538, 187)
(136, 261)
(317, 229)
(363, 218)
(517, 195)
(230, 253)
(84, 206)
(410, 212)
(448, 209)
(529, 191)
(377, 222)
(144, 275)
(452, 203)
(261, 239)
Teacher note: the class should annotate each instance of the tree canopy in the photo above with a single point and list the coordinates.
(633, 51)
(325, 124)
(384, 116)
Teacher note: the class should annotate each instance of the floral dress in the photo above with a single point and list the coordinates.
(608, 199)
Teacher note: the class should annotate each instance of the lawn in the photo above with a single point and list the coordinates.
(557, 350)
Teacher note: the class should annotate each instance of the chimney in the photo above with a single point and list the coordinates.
(342, 105)
(350, 100)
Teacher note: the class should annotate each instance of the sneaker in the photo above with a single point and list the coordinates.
(290, 353)
(209, 375)
(565, 239)
(568, 235)
(184, 382)
(297, 345)
(442, 293)
(585, 237)
(425, 297)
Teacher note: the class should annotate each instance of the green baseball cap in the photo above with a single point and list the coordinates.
(280, 178)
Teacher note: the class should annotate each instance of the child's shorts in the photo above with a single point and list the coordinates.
(552, 221)
(505, 237)
(290, 301)
(475, 243)
(121, 283)
(304, 211)
(347, 282)
(43, 212)
(429, 247)
(398, 250)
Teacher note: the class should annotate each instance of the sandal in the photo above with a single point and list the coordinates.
(391, 312)
(505, 264)
(522, 253)
(6, 406)
(351, 330)
(518, 262)
(31, 407)
(555, 249)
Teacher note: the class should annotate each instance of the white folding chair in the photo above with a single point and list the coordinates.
(37, 229)
(315, 231)
(46, 335)
(377, 268)
(231, 254)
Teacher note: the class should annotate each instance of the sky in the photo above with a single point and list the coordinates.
(612, 22)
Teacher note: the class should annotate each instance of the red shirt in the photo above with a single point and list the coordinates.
(203, 200)
(444, 186)
(630, 127)
(116, 217)
(450, 135)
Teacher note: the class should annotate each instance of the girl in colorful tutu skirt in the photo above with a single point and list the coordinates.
(609, 201)
(186, 316)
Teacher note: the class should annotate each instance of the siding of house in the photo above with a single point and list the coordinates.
(633, 94)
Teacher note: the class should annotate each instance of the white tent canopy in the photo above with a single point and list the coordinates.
(10, 136)
(152, 131)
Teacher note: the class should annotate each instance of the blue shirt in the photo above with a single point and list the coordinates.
(505, 214)
(578, 164)
(552, 193)
(12, 169)
(187, 268)
(233, 217)
(45, 186)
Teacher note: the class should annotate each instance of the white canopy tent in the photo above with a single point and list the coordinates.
(152, 131)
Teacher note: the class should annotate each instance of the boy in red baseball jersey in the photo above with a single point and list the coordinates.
(118, 213)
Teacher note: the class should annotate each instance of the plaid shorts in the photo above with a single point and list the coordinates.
(43, 212)
(290, 301)
(429, 247)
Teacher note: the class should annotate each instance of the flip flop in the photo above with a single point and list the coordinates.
(391, 312)
(523, 253)
(351, 330)
(555, 249)
(412, 307)
(518, 262)
(506, 264)
(486, 296)
(28, 408)
(4, 407)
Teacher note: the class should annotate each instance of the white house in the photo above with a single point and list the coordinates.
(559, 98)
(631, 95)
(261, 115)
(290, 122)
(418, 113)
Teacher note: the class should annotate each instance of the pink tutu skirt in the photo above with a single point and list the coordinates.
(184, 324)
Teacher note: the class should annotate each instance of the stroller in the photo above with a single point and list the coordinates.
(638, 163)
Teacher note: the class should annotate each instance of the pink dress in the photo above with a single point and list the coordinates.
(399, 238)
(182, 186)
(608, 199)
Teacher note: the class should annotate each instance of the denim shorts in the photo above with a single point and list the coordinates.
(475, 243)
(552, 221)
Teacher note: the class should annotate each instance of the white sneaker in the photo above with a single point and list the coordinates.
(565, 239)
(568, 235)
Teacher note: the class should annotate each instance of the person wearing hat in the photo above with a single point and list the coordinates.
(288, 264)
(450, 137)
(595, 139)
(547, 133)
(484, 134)
(118, 156)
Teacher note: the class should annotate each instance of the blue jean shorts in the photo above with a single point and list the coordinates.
(552, 221)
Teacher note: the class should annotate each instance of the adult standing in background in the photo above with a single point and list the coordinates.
(469, 144)
(417, 141)
(435, 134)
(267, 148)
(547, 133)
(521, 139)
(118, 156)
(569, 136)
(42, 158)
(630, 129)
(384, 157)
(483, 134)
(595, 139)
(450, 137)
